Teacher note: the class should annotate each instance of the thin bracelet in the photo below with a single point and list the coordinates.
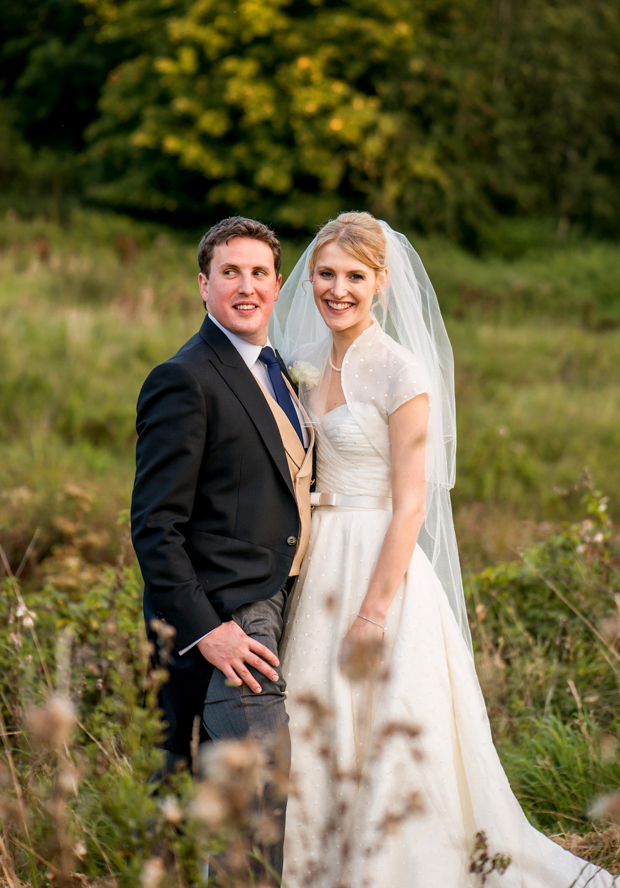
(361, 616)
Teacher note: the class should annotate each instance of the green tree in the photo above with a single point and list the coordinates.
(515, 105)
(440, 115)
(270, 106)
(558, 69)
(52, 68)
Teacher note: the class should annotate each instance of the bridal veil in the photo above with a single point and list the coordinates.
(379, 373)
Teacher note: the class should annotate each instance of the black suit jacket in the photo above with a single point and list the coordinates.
(214, 516)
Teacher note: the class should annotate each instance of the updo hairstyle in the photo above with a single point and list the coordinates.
(359, 234)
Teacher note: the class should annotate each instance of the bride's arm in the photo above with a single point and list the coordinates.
(408, 427)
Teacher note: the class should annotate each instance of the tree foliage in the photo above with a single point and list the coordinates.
(53, 67)
(437, 114)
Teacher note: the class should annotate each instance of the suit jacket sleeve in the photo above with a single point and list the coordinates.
(172, 426)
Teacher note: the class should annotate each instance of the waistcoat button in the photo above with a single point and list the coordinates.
(292, 541)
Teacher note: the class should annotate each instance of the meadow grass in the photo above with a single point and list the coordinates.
(80, 725)
(88, 307)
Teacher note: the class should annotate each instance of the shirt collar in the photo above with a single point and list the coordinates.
(248, 351)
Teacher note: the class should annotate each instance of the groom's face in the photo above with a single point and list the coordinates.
(242, 287)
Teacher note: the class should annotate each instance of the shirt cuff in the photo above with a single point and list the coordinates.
(194, 643)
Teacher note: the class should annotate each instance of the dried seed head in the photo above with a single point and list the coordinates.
(410, 807)
(482, 863)
(606, 807)
(319, 712)
(237, 769)
(13, 812)
(331, 602)
(153, 872)
(82, 498)
(232, 760)
(403, 729)
(51, 725)
(360, 659)
(68, 779)
(265, 829)
(171, 810)
(209, 806)
(235, 862)
(164, 631)
(610, 630)
(278, 753)
(608, 747)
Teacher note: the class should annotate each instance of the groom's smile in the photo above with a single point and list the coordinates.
(242, 287)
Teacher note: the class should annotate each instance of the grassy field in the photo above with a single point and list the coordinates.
(88, 307)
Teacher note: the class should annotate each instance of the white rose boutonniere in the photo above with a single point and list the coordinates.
(304, 373)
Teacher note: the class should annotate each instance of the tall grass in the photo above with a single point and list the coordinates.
(87, 310)
(89, 307)
(79, 725)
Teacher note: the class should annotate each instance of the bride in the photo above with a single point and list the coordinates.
(395, 770)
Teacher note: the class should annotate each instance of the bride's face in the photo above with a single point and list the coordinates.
(343, 289)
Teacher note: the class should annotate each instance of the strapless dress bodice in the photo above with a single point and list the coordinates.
(346, 461)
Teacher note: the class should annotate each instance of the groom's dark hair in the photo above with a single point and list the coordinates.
(236, 226)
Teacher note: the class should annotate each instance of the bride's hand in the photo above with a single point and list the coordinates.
(360, 653)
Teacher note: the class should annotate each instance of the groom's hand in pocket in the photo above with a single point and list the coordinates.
(231, 651)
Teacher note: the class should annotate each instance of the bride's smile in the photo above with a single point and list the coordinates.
(343, 290)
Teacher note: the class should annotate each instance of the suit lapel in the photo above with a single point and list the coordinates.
(235, 373)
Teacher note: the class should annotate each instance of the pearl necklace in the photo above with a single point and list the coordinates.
(333, 366)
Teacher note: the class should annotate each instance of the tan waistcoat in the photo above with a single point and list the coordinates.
(300, 467)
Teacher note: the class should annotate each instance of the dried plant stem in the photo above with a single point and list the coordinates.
(20, 797)
(48, 679)
(607, 648)
(7, 868)
(42, 860)
(8, 709)
(16, 783)
(28, 552)
(93, 836)
(194, 743)
(94, 739)
(20, 598)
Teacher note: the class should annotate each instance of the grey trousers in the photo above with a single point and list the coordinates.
(237, 712)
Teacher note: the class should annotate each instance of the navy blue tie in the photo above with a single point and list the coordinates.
(283, 396)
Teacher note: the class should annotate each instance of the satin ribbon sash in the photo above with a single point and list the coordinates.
(350, 502)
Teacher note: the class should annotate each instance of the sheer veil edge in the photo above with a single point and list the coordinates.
(411, 317)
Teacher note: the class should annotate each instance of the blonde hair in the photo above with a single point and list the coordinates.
(359, 234)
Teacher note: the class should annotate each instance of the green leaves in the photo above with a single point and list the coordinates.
(443, 115)
(273, 105)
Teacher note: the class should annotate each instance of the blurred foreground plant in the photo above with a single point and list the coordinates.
(80, 730)
(80, 724)
(546, 634)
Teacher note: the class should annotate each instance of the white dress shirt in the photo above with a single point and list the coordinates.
(250, 354)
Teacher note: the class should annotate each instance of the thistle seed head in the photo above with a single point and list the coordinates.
(51, 725)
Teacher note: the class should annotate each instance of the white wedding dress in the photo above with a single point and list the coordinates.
(348, 823)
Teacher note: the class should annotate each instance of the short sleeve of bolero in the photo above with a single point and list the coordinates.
(408, 382)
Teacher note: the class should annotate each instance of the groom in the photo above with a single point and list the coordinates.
(221, 503)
